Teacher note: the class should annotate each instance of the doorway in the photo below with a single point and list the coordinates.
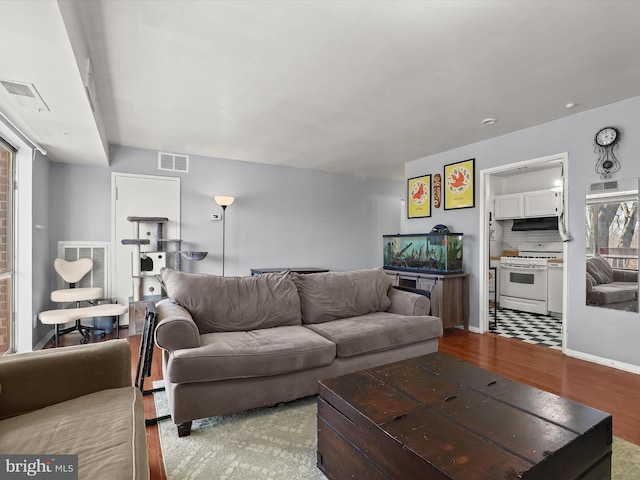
(139, 196)
(494, 242)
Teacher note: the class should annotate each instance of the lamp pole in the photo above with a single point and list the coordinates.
(224, 201)
(224, 221)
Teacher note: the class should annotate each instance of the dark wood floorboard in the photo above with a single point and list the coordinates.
(605, 388)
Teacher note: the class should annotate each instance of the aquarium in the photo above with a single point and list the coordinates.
(423, 252)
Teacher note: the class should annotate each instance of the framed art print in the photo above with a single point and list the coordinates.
(419, 197)
(459, 185)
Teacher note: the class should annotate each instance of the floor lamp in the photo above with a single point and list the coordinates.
(224, 201)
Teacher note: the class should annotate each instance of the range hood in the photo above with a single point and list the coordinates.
(542, 223)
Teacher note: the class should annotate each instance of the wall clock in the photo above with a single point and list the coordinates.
(606, 141)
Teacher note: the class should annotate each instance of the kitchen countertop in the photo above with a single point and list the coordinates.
(505, 253)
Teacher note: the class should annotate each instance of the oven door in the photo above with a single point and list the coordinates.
(524, 281)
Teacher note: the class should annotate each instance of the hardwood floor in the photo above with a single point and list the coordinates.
(156, 464)
(607, 389)
(604, 388)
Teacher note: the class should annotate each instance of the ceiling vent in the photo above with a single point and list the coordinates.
(24, 95)
(173, 162)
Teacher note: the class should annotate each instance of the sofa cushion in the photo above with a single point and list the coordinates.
(256, 353)
(600, 270)
(105, 429)
(613, 292)
(377, 331)
(334, 295)
(231, 304)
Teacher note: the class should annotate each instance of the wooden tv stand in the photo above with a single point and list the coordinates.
(449, 294)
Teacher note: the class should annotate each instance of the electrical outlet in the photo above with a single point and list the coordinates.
(216, 216)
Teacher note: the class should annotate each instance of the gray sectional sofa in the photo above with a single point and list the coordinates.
(234, 343)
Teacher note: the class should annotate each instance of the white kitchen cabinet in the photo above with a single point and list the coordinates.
(554, 287)
(508, 206)
(542, 203)
(539, 203)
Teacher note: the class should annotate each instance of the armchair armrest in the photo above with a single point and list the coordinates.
(175, 329)
(29, 381)
(620, 275)
(408, 303)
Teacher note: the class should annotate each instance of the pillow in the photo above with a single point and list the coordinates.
(233, 304)
(600, 270)
(334, 295)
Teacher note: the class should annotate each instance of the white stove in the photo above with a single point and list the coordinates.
(534, 254)
(523, 278)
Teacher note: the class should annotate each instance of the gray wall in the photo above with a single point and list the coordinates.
(80, 204)
(281, 216)
(603, 333)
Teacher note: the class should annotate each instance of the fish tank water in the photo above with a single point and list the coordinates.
(423, 252)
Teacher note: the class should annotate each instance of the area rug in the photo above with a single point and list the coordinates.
(279, 443)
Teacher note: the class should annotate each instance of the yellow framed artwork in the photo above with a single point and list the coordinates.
(419, 197)
(459, 185)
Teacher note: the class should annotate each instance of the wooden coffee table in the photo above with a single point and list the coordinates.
(436, 417)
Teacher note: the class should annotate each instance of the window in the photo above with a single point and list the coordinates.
(6, 248)
(612, 226)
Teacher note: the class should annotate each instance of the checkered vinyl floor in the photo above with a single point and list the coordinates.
(530, 327)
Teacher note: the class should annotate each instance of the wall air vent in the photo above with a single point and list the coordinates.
(603, 186)
(173, 162)
(23, 94)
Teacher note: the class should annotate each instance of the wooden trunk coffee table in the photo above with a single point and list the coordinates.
(436, 417)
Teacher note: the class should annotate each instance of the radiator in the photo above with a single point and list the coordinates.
(99, 276)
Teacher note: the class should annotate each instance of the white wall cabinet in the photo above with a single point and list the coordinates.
(540, 203)
(508, 206)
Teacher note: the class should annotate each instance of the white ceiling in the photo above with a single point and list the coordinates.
(347, 86)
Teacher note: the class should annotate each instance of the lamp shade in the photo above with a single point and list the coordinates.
(223, 200)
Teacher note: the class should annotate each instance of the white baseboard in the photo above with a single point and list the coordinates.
(46, 339)
(627, 367)
(474, 329)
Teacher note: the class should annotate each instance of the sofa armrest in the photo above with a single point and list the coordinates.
(620, 275)
(175, 329)
(29, 381)
(590, 285)
(408, 303)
